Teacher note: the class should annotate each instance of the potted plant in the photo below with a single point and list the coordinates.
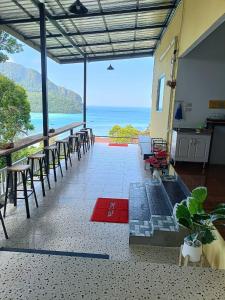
(10, 126)
(191, 215)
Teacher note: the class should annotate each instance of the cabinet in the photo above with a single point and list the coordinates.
(190, 147)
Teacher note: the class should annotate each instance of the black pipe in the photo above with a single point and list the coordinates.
(85, 93)
(44, 71)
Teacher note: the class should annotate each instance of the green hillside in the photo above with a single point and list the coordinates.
(61, 100)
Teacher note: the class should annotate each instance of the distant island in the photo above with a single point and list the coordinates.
(61, 100)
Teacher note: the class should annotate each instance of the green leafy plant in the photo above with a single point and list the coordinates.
(190, 214)
(8, 44)
(14, 110)
(123, 134)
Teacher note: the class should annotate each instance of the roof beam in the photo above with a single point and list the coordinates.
(149, 8)
(110, 57)
(106, 43)
(125, 29)
(110, 52)
(60, 29)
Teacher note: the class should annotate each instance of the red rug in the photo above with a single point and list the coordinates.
(117, 145)
(110, 210)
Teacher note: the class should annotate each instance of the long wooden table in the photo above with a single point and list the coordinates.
(34, 139)
(31, 140)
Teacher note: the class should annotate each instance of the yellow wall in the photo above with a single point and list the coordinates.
(198, 17)
(192, 22)
(159, 120)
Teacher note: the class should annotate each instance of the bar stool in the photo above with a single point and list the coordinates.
(66, 150)
(55, 159)
(87, 138)
(92, 136)
(75, 144)
(40, 158)
(2, 221)
(23, 171)
(82, 138)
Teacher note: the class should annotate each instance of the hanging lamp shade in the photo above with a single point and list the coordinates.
(110, 68)
(78, 8)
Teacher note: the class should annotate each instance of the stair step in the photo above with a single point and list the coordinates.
(138, 203)
(158, 200)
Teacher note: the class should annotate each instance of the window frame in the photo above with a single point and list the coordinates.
(159, 104)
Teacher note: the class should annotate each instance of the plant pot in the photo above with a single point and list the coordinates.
(194, 252)
(6, 146)
(51, 130)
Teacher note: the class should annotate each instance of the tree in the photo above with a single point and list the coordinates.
(8, 44)
(14, 110)
(123, 134)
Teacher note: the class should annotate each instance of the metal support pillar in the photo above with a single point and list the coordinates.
(85, 93)
(44, 71)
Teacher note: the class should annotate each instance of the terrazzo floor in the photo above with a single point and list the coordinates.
(62, 220)
(62, 223)
(29, 277)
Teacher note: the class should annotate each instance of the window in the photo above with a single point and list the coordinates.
(160, 93)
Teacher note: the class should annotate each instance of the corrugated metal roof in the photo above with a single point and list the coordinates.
(111, 29)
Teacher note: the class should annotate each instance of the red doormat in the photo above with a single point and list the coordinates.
(110, 210)
(118, 145)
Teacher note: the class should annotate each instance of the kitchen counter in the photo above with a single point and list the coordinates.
(193, 131)
(35, 276)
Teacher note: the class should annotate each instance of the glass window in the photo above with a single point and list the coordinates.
(160, 93)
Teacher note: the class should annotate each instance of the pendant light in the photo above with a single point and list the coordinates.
(78, 8)
(110, 68)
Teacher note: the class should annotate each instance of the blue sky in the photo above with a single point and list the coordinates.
(128, 85)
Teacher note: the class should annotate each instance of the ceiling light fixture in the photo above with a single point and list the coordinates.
(110, 68)
(78, 8)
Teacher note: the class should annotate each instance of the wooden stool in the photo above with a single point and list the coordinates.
(40, 158)
(86, 137)
(75, 144)
(23, 171)
(91, 135)
(82, 139)
(66, 150)
(55, 159)
(3, 224)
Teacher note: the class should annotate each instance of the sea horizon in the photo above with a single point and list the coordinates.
(100, 118)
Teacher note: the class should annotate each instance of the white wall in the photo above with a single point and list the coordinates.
(200, 78)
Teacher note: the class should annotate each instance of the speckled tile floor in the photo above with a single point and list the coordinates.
(28, 276)
(62, 220)
(62, 223)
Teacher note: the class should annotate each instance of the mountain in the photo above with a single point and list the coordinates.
(61, 100)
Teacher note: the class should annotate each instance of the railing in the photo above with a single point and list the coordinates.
(117, 139)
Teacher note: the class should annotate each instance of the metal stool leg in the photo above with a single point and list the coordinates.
(59, 163)
(68, 154)
(41, 177)
(25, 194)
(53, 163)
(3, 226)
(44, 162)
(15, 189)
(33, 189)
(6, 194)
(65, 155)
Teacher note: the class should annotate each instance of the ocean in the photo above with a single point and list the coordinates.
(100, 118)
